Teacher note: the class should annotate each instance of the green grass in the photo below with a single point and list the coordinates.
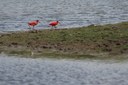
(110, 38)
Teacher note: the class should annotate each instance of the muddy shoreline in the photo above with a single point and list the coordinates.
(85, 42)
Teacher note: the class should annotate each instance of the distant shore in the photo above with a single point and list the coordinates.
(101, 41)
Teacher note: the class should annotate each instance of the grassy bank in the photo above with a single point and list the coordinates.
(84, 42)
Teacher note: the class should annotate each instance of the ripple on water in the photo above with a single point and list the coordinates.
(71, 13)
(22, 71)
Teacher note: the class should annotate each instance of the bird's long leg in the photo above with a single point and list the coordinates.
(33, 28)
(52, 27)
(29, 26)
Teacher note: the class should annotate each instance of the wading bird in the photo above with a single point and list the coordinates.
(54, 23)
(32, 24)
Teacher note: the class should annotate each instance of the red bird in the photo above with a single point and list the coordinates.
(33, 23)
(54, 23)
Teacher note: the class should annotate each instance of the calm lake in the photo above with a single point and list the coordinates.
(14, 14)
(24, 71)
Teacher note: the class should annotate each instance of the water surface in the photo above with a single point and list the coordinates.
(22, 71)
(14, 14)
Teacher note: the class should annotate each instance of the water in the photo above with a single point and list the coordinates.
(14, 14)
(22, 71)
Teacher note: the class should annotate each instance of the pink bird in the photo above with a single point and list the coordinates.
(33, 23)
(54, 23)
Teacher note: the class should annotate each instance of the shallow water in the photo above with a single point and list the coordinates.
(14, 14)
(23, 71)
